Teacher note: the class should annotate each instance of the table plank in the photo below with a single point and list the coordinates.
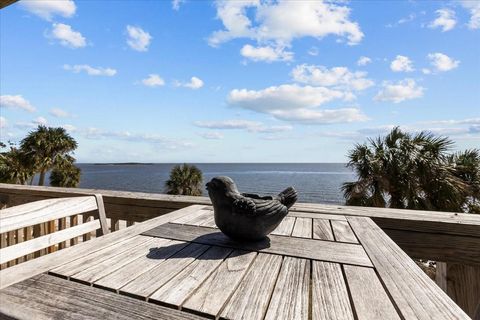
(149, 282)
(210, 222)
(322, 230)
(295, 247)
(217, 289)
(329, 292)
(199, 219)
(285, 227)
(291, 294)
(368, 295)
(414, 293)
(250, 300)
(134, 269)
(180, 287)
(47, 297)
(24, 271)
(71, 268)
(343, 232)
(302, 228)
(116, 262)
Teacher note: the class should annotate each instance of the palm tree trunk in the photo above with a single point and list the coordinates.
(41, 181)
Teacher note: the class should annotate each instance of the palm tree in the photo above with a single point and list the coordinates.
(16, 167)
(402, 170)
(48, 147)
(185, 180)
(67, 175)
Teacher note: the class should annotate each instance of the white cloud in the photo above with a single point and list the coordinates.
(474, 8)
(363, 61)
(445, 20)
(278, 22)
(67, 36)
(397, 92)
(472, 121)
(138, 39)
(69, 127)
(16, 102)
(195, 83)
(212, 135)
(313, 51)
(238, 124)
(441, 62)
(296, 103)
(176, 4)
(266, 53)
(41, 121)
(98, 71)
(402, 64)
(59, 113)
(337, 77)
(426, 71)
(47, 9)
(3, 123)
(153, 80)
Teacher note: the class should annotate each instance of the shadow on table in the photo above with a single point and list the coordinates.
(201, 243)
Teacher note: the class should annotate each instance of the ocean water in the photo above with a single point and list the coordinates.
(315, 182)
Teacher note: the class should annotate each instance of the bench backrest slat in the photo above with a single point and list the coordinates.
(29, 214)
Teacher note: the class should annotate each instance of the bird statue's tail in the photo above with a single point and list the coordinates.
(288, 197)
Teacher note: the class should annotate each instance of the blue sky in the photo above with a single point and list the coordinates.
(252, 81)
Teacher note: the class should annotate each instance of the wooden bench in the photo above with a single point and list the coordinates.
(39, 212)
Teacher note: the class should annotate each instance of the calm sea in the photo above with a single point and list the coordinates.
(315, 182)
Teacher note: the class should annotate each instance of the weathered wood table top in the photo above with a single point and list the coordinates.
(181, 266)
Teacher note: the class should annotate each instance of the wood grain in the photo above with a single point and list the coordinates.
(119, 278)
(302, 228)
(180, 287)
(48, 297)
(343, 232)
(322, 230)
(414, 293)
(150, 281)
(290, 297)
(285, 227)
(329, 292)
(368, 295)
(250, 300)
(26, 270)
(295, 247)
(29, 214)
(210, 297)
(30, 246)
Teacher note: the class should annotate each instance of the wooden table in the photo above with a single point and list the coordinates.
(180, 266)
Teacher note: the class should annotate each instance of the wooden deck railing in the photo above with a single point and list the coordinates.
(453, 239)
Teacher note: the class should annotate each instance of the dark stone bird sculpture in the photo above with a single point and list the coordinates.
(244, 216)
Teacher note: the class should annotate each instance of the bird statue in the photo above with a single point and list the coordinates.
(244, 216)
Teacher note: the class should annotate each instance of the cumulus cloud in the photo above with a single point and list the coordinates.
(67, 36)
(39, 121)
(337, 77)
(92, 71)
(137, 38)
(238, 124)
(277, 22)
(363, 61)
(16, 102)
(194, 83)
(402, 64)
(59, 113)
(445, 20)
(441, 62)
(266, 53)
(406, 89)
(153, 80)
(313, 51)
(214, 135)
(474, 8)
(296, 103)
(176, 4)
(47, 9)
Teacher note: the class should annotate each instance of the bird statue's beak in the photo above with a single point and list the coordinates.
(208, 184)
